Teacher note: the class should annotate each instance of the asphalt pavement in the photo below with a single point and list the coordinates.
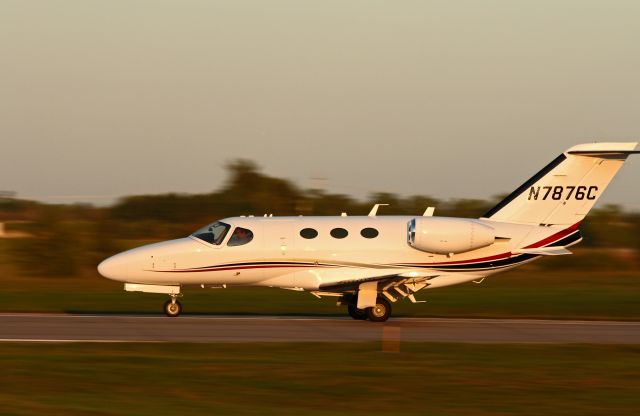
(144, 328)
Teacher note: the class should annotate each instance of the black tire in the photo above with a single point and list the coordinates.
(381, 312)
(357, 314)
(172, 309)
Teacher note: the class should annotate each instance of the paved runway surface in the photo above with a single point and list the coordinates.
(128, 328)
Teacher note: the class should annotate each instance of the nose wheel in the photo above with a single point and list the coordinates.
(172, 308)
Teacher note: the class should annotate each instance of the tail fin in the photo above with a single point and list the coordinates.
(566, 189)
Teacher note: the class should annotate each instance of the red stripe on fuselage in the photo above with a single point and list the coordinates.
(556, 236)
(480, 259)
(220, 269)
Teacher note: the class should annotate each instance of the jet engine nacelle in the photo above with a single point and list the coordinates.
(448, 235)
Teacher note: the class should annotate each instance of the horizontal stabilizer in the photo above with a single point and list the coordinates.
(543, 251)
(603, 153)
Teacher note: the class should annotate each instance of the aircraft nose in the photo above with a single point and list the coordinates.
(114, 268)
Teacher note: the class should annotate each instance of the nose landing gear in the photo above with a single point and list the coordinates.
(172, 308)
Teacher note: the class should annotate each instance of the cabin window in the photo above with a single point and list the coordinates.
(369, 232)
(308, 233)
(240, 237)
(213, 233)
(339, 233)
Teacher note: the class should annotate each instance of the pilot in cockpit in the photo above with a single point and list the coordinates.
(240, 236)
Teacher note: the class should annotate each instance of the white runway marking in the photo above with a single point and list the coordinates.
(76, 341)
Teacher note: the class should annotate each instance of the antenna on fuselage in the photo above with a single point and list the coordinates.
(374, 210)
(429, 212)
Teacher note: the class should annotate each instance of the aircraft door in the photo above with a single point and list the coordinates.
(285, 241)
(240, 251)
(278, 252)
(278, 240)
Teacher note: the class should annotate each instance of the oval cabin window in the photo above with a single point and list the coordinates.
(369, 232)
(308, 233)
(339, 233)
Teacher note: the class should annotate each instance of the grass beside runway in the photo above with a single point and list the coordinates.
(318, 379)
(526, 292)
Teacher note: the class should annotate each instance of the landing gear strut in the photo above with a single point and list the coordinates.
(172, 307)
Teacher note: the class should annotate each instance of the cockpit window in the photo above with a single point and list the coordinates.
(240, 237)
(213, 233)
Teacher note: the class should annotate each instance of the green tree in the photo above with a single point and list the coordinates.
(53, 249)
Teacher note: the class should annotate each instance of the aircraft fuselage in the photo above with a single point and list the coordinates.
(279, 256)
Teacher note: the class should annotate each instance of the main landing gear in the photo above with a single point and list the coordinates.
(378, 313)
(381, 312)
(357, 314)
(172, 307)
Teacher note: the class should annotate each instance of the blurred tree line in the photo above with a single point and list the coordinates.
(66, 239)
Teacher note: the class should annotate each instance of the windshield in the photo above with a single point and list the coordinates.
(213, 233)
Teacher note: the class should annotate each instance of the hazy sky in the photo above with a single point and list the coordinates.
(100, 99)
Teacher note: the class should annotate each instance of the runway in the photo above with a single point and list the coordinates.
(133, 328)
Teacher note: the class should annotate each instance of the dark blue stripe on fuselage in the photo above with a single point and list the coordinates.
(495, 264)
(572, 238)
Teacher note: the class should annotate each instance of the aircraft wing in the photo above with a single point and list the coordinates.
(353, 284)
(393, 286)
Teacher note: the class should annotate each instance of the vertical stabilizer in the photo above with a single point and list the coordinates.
(566, 189)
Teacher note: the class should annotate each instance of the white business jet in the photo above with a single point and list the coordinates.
(370, 262)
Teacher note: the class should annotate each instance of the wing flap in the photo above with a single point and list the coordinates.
(353, 284)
